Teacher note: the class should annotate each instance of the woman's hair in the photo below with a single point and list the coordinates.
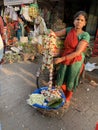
(81, 13)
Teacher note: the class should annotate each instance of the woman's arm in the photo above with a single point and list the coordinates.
(58, 33)
(80, 48)
(61, 32)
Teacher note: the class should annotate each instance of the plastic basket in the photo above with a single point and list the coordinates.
(38, 91)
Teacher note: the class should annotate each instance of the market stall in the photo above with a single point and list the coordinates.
(18, 15)
(26, 23)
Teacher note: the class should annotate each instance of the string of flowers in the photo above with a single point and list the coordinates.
(48, 54)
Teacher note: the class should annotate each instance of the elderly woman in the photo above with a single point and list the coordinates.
(71, 61)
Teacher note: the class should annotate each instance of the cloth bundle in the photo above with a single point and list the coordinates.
(25, 13)
(39, 26)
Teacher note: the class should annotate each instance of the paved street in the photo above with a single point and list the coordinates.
(17, 81)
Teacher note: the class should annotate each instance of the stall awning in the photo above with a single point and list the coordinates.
(17, 2)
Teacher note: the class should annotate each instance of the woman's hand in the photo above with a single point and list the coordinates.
(58, 60)
(51, 33)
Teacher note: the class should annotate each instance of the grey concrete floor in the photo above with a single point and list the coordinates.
(17, 81)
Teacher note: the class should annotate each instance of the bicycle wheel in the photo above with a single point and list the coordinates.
(42, 78)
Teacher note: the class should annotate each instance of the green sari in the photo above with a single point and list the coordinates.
(69, 71)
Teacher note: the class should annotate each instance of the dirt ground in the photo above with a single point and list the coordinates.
(17, 81)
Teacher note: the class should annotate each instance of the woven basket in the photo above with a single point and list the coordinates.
(47, 111)
(53, 113)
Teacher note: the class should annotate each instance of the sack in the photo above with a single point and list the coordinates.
(24, 39)
(33, 10)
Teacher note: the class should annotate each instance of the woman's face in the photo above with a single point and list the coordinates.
(79, 22)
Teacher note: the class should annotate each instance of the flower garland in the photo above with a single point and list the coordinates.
(48, 54)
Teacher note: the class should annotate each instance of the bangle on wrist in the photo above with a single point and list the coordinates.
(64, 57)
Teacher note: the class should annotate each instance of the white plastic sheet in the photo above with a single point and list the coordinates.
(90, 66)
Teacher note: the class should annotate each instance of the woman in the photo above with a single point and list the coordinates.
(20, 28)
(71, 61)
(10, 31)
